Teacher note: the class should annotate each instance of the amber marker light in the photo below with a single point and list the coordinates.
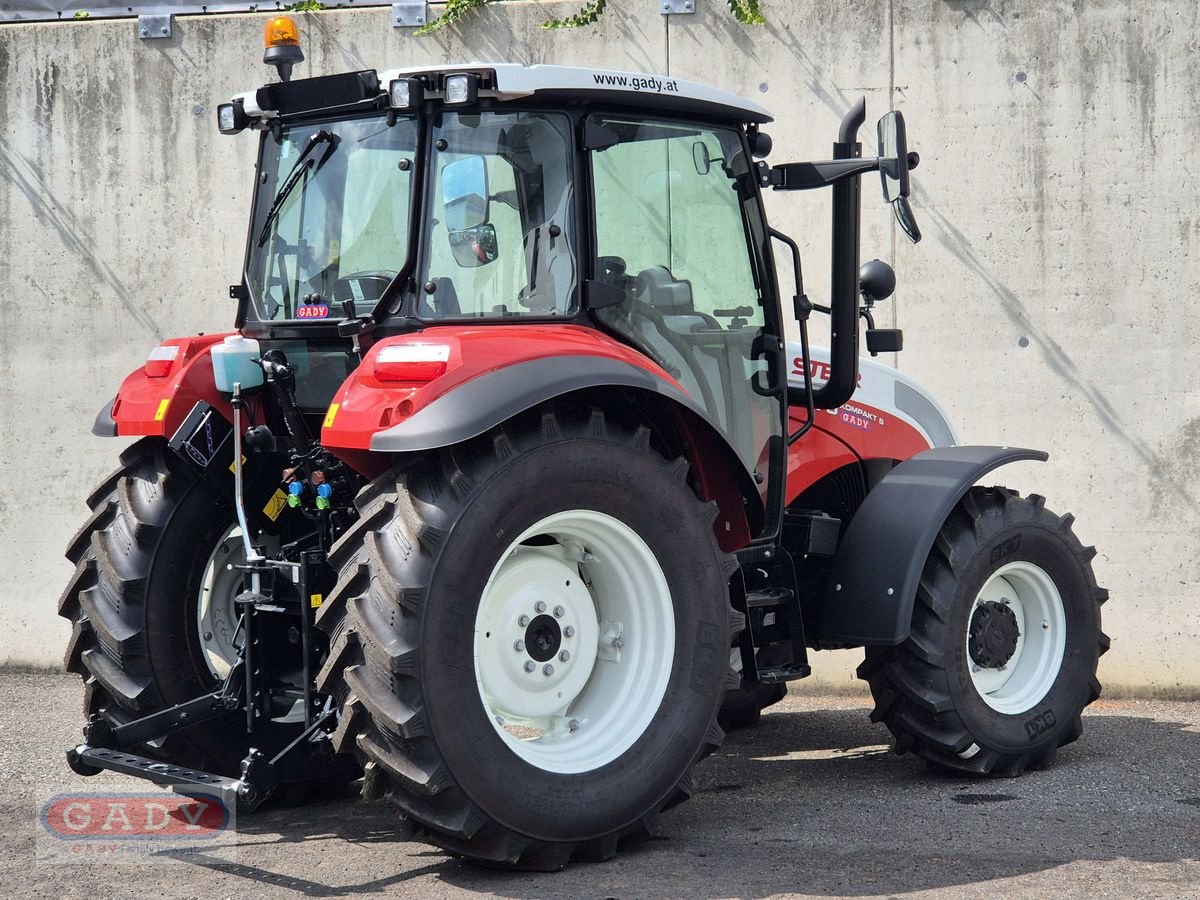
(281, 38)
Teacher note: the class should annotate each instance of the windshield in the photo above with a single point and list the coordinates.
(331, 221)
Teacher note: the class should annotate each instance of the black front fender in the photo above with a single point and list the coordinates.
(873, 584)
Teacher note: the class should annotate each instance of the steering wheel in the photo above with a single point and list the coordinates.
(370, 286)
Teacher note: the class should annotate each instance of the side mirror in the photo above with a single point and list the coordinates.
(895, 162)
(476, 246)
(465, 194)
(893, 156)
(700, 158)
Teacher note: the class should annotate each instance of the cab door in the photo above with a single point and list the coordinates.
(679, 231)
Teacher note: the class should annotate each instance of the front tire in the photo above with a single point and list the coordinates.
(1005, 639)
(450, 623)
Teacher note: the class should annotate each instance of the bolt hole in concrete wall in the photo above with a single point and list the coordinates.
(1057, 222)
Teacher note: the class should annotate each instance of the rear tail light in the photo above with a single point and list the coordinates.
(412, 363)
(160, 360)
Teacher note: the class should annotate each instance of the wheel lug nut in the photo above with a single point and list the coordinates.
(540, 606)
(547, 669)
(573, 724)
(618, 643)
(558, 612)
(565, 655)
(529, 665)
(569, 631)
(522, 621)
(518, 646)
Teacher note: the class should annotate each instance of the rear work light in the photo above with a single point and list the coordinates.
(160, 360)
(231, 117)
(412, 363)
(405, 93)
(461, 88)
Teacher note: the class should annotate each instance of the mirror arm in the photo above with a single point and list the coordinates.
(804, 176)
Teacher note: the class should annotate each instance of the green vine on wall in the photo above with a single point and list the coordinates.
(744, 11)
(586, 16)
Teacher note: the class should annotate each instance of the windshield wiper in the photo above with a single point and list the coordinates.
(299, 167)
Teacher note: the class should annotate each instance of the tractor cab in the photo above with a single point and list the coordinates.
(397, 209)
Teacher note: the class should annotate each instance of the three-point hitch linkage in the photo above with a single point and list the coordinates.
(288, 585)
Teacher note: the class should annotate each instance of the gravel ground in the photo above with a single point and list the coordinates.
(809, 803)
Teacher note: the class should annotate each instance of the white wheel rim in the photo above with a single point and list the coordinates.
(1026, 677)
(216, 613)
(609, 609)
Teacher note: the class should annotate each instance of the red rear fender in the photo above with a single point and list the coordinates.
(399, 410)
(446, 385)
(156, 406)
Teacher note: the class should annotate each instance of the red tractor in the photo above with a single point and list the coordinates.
(508, 491)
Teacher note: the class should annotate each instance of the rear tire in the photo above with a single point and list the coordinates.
(1002, 655)
(456, 697)
(140, 563)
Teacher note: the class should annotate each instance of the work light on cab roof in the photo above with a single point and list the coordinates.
(405, 93)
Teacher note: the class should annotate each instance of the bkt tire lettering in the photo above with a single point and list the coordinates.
(1006, 548)
(1039, 725)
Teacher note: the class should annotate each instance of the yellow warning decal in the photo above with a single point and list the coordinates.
(233, 468)
(162, 409)
(316, 600)
(275, 505)
(331, 415)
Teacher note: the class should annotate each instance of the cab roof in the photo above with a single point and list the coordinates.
(512, 81)
(515, 81)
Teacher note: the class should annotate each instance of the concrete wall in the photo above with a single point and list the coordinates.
(1048, 306)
